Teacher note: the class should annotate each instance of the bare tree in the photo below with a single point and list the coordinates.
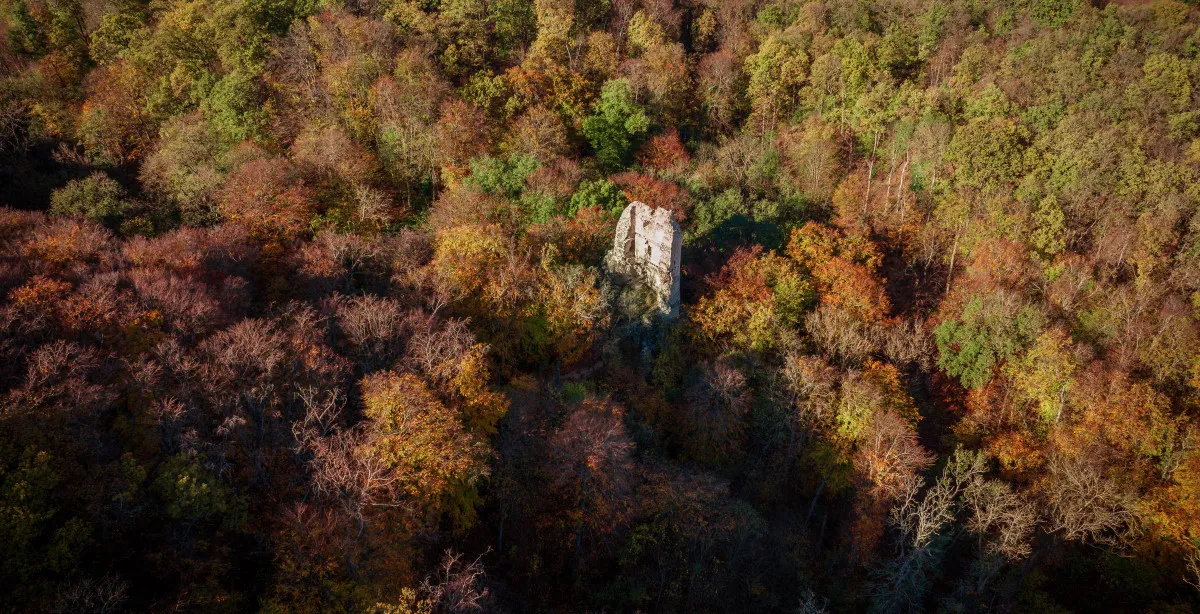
(592, 456)
(375, 328)
(433, 349)
(1086, 506)
(906, 342)
(1193, 569)
(890, 455)
(170, 415)
(248, 373)
(716, 405)
(840, 335)
(373, 207)
(1002, 521)
(357, 481)
(809, 383)
(810, 603)
(14, 127)
(1001, 518)
(457, 587)
(186, 306)
(920, 517)
(322, 411)
(92, 596)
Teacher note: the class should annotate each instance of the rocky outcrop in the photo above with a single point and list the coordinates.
(646, 250)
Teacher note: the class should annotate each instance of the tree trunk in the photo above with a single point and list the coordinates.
(870, 171)
(813, 505)
(953, 253)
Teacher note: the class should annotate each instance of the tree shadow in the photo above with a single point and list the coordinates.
(705, 254)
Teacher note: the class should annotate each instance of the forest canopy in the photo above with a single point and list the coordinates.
(303, 306)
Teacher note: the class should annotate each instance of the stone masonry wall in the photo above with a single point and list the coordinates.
(646, 249)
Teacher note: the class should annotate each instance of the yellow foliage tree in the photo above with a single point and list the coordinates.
(569, 313)
(466, 259)
(758, 299)
(1043, 375)
(429, 456)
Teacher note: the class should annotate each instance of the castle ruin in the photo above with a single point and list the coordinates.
(646, 250)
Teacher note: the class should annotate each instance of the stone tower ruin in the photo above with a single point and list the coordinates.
(646, 250)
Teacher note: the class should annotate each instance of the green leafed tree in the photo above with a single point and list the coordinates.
(597, 193)
(97, 197)
(991, 329)
(502, 176)
(24, 33)
(191, 493)
(616, 125)
(989, 153)
(775, 74)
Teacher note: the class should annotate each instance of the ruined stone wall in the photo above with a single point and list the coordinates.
(646, 249)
